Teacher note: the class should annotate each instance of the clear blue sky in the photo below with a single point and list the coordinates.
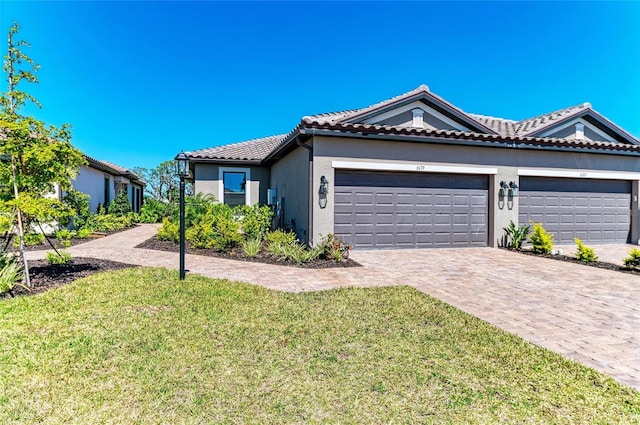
(139, 81)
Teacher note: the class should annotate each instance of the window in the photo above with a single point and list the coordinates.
(107, 192)
(235, 186)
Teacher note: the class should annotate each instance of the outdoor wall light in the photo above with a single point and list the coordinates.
(504, 186)
(513, 189)
(324, 186)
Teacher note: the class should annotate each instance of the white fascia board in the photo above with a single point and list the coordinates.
(421, 168)
(579, 174)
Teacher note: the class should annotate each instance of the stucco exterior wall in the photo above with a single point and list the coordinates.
(207, 180)
(290, 177)
(91, 181)
(506, 161)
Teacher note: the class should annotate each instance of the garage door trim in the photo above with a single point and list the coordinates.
(425, 168)
(578, 174)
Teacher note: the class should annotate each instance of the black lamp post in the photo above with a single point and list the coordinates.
(182, 170)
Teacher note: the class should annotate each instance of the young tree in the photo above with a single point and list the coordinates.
(35, 157)
(162, 182)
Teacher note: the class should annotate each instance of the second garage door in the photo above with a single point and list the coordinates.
(410, 210)
(596, 211)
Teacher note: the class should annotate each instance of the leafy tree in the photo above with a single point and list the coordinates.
(35, 157)
(162, 182)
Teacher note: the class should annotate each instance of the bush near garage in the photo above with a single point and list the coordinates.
(246, 229)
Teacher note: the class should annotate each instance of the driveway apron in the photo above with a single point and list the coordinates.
(587, 314)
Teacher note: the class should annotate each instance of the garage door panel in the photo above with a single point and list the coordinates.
(411, 210)
(596, 211)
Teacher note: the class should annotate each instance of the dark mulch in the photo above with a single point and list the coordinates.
(569, 259)
(45, 276)
(58, 245)
(238, 254)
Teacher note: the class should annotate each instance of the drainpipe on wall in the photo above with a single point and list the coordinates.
(310, 149)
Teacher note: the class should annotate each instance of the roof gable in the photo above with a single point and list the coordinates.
(555, 124)
(444, 115)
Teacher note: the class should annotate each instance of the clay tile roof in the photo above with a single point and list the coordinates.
(113, 168)
(333, 117)
(501, 126)
(116, 167)
(488, 129)
(534, 124)
(256, 149)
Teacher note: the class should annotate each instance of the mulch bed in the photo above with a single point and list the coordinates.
(45, 276)
(569, 259)
(58, 245)
(238, 254)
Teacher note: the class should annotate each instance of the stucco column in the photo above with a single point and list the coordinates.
(502, 208)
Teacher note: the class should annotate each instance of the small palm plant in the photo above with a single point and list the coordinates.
(10, 276)
(516, 235)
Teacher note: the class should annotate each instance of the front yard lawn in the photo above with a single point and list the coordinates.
(140, 346)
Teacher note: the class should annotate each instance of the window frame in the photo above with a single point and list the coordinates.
(247, 190)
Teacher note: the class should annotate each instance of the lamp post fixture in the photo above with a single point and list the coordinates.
(182, 170)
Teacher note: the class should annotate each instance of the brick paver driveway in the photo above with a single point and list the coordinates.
(587, 314)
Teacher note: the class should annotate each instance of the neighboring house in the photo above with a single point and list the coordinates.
(102, 181)
(416, 171)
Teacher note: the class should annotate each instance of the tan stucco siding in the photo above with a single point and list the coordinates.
(207, 181)
(506, 161)
(290, 177)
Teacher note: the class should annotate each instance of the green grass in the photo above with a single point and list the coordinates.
(139, 346)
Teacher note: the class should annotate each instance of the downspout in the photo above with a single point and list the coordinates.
(310, 149)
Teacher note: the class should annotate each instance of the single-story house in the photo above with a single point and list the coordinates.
(102, 181)
(415, 171)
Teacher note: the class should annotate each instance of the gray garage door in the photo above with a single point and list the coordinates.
(409, 210)
(596, 211)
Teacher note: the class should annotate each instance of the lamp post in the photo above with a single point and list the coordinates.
(182, 170)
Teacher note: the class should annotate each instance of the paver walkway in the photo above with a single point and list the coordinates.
(587, 314)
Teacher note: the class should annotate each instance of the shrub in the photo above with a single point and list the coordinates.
(633, 260)
(541, 240)
(584, 253)
(30, 239)
(10, 276)
(333, 247)
(120, 206)
(153, 211)
(227, 234)
(516, 235)
(65, 234)
(62, 257)
(200, 235)
(5, 223)
(169, 231)
(83, 233)
(79, 203)
(252, 247)
(284, 237)
(111, 222)
(195, 208)
(255, 220)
